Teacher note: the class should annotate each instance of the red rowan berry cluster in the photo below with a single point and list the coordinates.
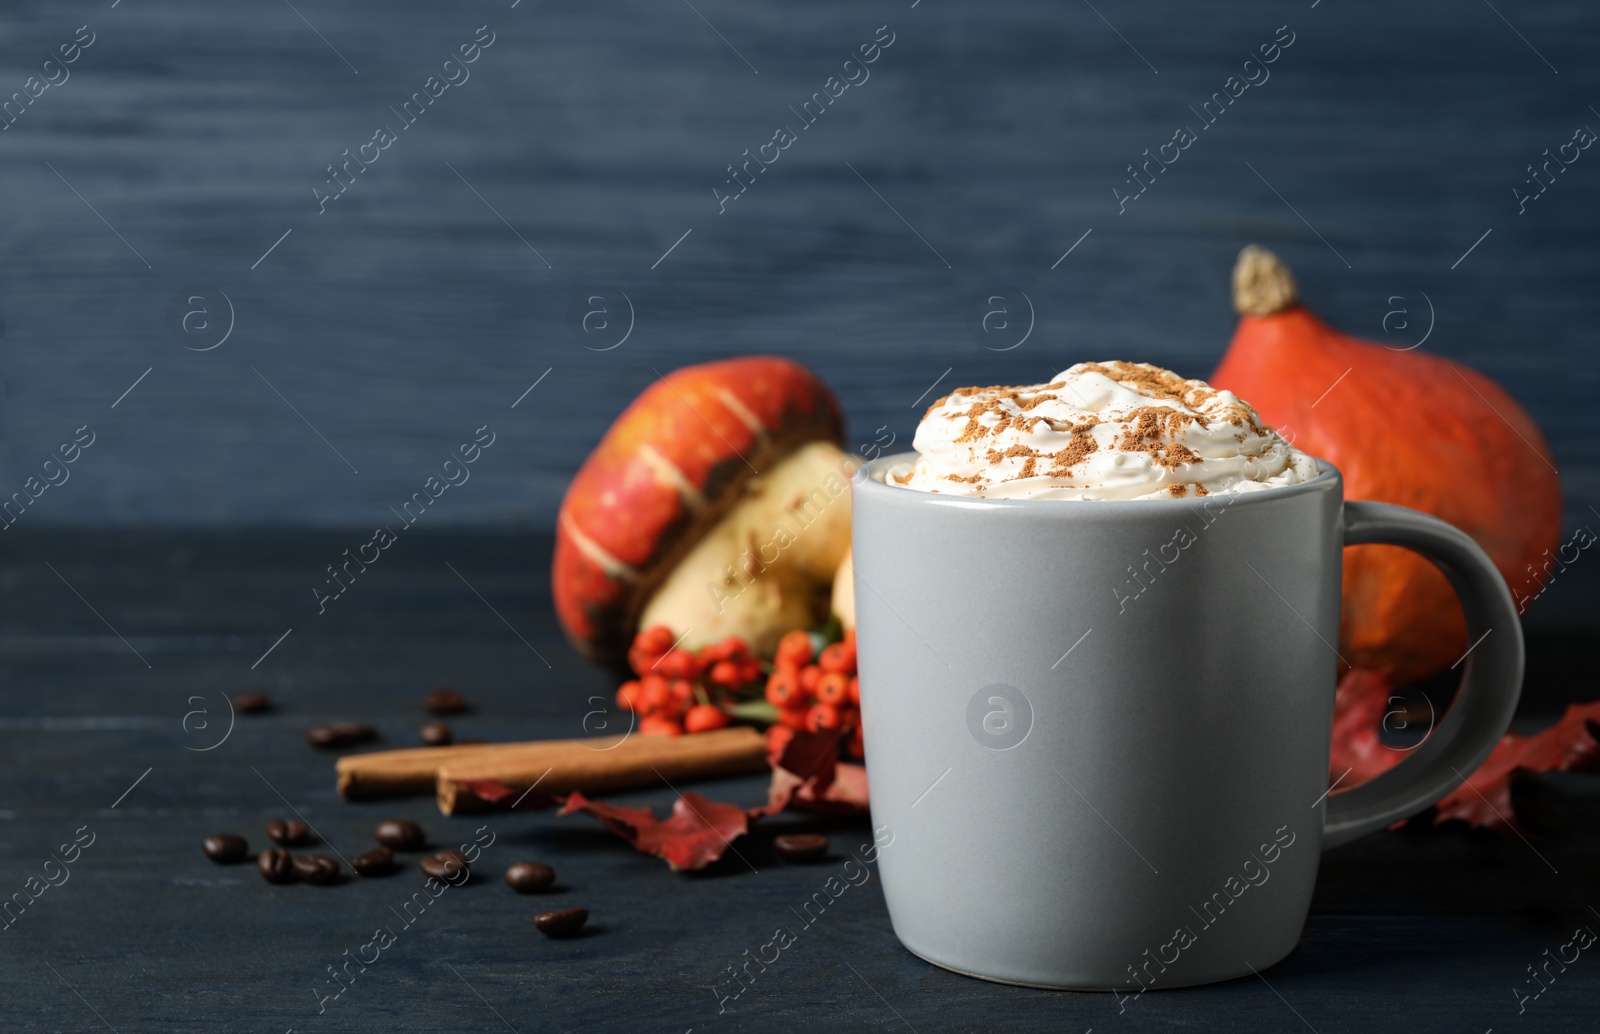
(814, 686)
(681, 690)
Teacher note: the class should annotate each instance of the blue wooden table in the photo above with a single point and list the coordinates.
(1422, 931)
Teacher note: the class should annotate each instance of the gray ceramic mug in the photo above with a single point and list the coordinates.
(1100, 731)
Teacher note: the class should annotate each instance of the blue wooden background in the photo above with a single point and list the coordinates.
(588, 139)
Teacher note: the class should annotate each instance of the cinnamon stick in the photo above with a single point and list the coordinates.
(598, 765)
(396, 773)
(593, 765)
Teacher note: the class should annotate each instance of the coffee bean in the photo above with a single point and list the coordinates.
(251, 703)
(444, 700)
(317, 868)
(801, 847)
(226, 847)
(400, 834)
(375, 862)
(447, 865)
(288, 832)
(564, 923)
(276, 865)
(436, 734)
(340, 734)
(530, 877)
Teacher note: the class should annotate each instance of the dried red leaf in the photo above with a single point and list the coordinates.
(807, 774)
(1362, 703)
(1570, 745)
(809, 755)
(492, 791)
(845, 795)
(696, 834)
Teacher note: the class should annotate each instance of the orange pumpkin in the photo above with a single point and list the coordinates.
(670, 467)
(1405, 428)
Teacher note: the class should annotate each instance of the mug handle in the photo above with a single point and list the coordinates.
(1490, 685)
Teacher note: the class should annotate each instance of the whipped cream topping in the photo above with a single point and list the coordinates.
(1099, 431)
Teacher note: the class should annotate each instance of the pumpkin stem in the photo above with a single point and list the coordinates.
(1262, 284)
